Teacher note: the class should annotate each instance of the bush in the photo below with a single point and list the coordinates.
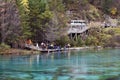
(80, 42)
(114, 41)
(92, 41)
(4, 46)
(63, 41)
(73, 43)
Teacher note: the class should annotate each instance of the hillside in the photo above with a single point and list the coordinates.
(47, 20)
(93, 9)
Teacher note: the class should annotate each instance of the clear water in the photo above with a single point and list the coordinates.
(74, 65)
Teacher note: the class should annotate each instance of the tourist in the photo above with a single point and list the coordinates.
(68, 45)
(43, 46)
(29, 42)
(37, 46)
(52, 46)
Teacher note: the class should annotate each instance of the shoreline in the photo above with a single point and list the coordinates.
(13, 51)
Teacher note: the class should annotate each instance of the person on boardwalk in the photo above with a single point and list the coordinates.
(37, 46)
(68, 45)
(43, 46)
(29, 42)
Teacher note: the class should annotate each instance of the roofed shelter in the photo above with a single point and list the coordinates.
(77, 27)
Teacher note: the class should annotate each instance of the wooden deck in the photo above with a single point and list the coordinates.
(32, 47)
(77, 30)
(58, 50)
(50, 50)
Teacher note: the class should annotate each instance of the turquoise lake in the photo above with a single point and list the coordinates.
(71, 65)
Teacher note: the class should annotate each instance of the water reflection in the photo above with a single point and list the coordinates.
(77, 65)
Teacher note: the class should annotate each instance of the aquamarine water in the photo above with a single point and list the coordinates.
(71, 65)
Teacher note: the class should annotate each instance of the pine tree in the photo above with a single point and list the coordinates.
(23, 6)
(58, 21)
(40, 16)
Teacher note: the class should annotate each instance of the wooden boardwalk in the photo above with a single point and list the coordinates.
(32, 47)
(56, 50)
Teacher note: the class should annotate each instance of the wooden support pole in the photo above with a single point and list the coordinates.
(75, 36)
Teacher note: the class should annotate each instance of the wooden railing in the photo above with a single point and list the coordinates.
(77, 30)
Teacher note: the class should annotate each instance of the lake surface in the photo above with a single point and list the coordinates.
(71, 65)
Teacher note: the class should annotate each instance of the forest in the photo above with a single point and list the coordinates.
(46, 20)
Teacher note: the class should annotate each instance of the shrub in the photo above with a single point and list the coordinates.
(73, 43)
(80, 42)
(92, 41)
(4, 46)
(63, 41)
(114, 41)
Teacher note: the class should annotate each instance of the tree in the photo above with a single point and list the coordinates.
(39, 17)
(80, 42)
(9, 23)
(57, 22)
(113, 10)
(106, 6)
(23, 6)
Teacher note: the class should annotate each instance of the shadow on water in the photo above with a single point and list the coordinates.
(71, 65)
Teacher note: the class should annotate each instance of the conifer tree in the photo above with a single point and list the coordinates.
(23, 6)
(40, 16)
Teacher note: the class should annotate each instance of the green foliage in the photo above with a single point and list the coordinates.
(93, 13)
(47, 15)
(79, 42)
(24, 18)
(88, 41)
(106, 6)
(108, 37)
(39, 17)
(69, 1)
(63, 40)
(57, 5)
(114, 41)
(84, 2)
(113, 10)
(92, 41)
(4, 46)
(73, 43)
(112, 31)
(104, 38)
(96, 37)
